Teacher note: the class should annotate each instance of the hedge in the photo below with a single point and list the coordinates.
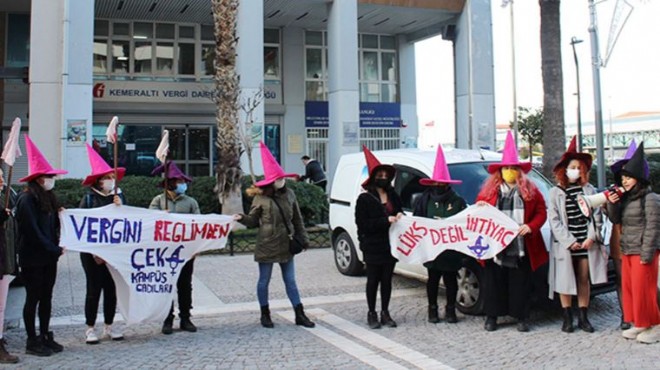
(140, 190)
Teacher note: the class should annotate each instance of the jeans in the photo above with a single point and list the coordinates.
(289, 277)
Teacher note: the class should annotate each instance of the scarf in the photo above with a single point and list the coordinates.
(511, 204)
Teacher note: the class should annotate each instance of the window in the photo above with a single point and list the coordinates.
(316, 66)
(18, 40)
(272, 54)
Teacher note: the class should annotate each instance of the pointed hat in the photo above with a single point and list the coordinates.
(440, 171)
(616, 166)
(510, 157)
(374, 165)
(173, 172)
(635, 166)
(38, 165)
(571, 154)
(99, 168)
(272, 170)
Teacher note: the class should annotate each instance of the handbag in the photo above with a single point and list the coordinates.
(296, 243)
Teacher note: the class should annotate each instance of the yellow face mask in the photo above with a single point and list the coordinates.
(509, 175)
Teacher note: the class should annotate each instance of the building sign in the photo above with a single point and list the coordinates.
(372, 115)
(169, 92)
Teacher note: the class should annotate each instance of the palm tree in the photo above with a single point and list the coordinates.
(228, 167)
(554, 142)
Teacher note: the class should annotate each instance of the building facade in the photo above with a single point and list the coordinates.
(332, 76)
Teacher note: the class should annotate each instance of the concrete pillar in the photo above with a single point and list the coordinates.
(408, 92)
(475, 100)
(250, 66)
(61, 80)
(343, 84)
(293, 91)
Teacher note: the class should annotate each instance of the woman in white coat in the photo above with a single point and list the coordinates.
(577, 252)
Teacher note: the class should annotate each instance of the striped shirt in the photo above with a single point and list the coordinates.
(577, 223)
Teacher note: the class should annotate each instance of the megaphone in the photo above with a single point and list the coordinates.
(588, 202)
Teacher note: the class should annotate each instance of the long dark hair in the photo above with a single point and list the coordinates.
(46, 200)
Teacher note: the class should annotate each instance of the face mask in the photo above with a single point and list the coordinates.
(108, 185)
(49, 183)
(437, 190)
(181, 188)
(573, 173)
(279, 183)
(382, 183)
(509, 176)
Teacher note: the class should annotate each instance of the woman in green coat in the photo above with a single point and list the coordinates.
(441, 201)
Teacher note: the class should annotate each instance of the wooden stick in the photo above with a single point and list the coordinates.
(8, 185)
(116, 160)
(165, 183)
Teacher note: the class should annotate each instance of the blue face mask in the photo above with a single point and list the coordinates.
(181, 188)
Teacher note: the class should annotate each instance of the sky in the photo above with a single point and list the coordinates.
(630, 82)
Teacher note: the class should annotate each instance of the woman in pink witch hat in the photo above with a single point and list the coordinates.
(375, 210)
(507, 278)
(439, 200)
(39, 230)
(101, 183)
(275, 211)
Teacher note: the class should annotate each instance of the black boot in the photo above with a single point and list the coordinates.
(386, 319)
(50, 342)
(567, 326)
(35, 346)
(583, 321)
(433, 314)
(167, 326)
(301, 318)
(372, 320)
(266, 322)
(450, 314)
(187, 325)
(491, 323)
(624, 325)
(523, 325)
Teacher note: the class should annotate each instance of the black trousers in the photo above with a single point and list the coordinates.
(322, 184)
(98, 280)
(450, 279)
(507, 291)
(39, 282)
(379, 274)
(184, 292)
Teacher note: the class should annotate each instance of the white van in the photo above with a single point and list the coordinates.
(412, 165)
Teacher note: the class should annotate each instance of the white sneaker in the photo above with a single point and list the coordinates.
(115, 334)
(633, 332)
(650, 336)
(91, 337)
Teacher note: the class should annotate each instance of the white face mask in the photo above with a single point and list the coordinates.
(279, 183)
(573, 173)
(49, 183)
(108, 185)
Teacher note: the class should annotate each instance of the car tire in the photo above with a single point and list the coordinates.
(345, 256)
(469, 299)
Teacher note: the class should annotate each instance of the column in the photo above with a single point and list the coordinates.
(61, 80)
(293, 91)
(250, 66)
(473, 60)
(343, 93)
(408, 89)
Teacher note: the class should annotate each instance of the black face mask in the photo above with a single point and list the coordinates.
(382, 183)
(439, 190)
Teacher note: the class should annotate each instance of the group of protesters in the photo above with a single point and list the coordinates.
(577, 256)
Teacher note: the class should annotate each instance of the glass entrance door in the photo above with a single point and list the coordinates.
(190, 149)
(272, 139)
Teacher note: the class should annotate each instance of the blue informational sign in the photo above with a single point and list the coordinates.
(372, 115)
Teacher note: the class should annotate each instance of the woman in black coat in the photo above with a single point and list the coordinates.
(377, 208)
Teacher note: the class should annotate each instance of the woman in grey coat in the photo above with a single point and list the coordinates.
(577, 252)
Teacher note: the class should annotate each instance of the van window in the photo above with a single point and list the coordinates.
(406, 184)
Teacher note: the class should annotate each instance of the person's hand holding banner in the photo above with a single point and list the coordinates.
(479, 231)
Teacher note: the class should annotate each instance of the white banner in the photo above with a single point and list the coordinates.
(145, 250)
(480, 232)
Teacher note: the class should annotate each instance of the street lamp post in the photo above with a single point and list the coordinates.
(574, 41)
(598, 117)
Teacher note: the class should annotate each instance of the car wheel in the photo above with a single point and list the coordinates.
(345, 256)
(469, 300)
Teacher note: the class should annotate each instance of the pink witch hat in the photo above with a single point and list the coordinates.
(510, 157)
(374, 165)
(38, 165)
(99, 168)
(272, 169)
(440, 171)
